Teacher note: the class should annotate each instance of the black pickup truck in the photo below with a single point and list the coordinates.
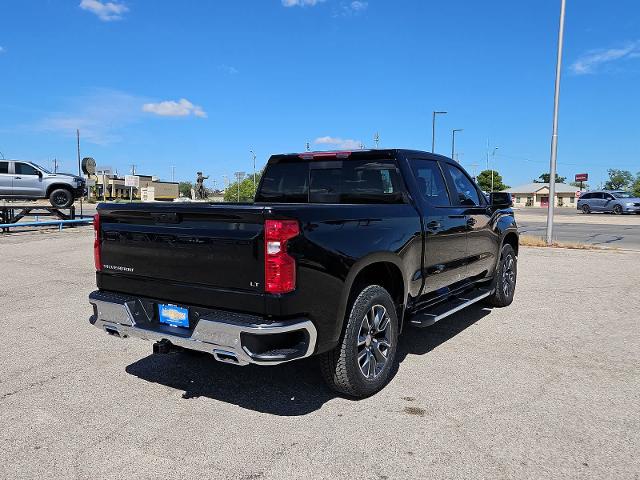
(340, 252)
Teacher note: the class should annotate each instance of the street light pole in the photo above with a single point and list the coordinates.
(554, 136)
(433, 130)
(453, 141)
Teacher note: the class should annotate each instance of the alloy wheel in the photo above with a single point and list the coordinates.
(374, 342)
(508, 276)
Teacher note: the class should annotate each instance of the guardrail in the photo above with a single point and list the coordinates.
(47, 223)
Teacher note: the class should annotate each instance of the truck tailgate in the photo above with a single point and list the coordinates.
(218, 246)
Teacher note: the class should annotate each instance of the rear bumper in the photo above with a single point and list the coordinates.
(230, 337)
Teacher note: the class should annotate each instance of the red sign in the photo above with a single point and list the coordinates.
(582, 177)
(578, 193)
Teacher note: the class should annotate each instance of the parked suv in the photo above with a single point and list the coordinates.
(29, 181)
(614, 201)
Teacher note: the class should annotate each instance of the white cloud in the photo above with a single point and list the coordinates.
(101, 116)
(106, 11)
(2, 49)
(301, 3)
(591, 61)
(337, 142)
(358, 6)
(171, 108)
(228, 69)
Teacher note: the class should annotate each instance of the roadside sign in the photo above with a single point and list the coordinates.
(582, 177)
(132, 181)
(578, 193)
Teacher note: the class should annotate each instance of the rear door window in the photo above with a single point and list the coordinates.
(4, 167)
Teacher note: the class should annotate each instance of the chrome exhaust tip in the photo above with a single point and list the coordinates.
(226, 357)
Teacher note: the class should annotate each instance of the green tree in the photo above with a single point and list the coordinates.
(246, 190)
(545, 177)
(618, 179)
(635, 188)
(585, 185)
(185, 189)
(484, 181)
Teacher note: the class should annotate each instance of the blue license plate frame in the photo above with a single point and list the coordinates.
(173, 315)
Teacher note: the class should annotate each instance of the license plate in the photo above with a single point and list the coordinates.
(174, 315)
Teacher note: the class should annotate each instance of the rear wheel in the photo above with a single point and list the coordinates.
(61, 198)
(362, 363)
(617, 209)
(506, 276)
(586, 209)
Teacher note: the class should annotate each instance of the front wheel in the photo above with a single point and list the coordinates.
(617, 209)
(61, 198)
(586, 209)
(363, 361)
(506, 275)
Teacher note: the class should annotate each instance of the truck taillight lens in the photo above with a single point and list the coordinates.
(97, 257)
(279, 266)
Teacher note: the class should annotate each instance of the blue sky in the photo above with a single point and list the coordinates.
(200, 84)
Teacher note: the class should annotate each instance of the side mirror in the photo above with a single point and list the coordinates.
(499, 200)
(39, 173)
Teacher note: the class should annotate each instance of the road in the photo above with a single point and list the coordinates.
(600, 229)
(547, 388)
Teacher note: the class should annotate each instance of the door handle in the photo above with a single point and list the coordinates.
(471, 222)
(433, 225)
(17, 178)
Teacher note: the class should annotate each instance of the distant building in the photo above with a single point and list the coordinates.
(537, 195)
(112, 187)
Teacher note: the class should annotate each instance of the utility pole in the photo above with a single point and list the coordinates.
(173, 173)
(308, 147)
(254, 171)
(554, 135)
(376, 139)
(79, 167)
(433, 130)
(133, 169)
(453, 141)
(78, 139)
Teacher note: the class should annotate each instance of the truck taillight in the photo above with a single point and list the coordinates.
(97, 257)
(279, 266)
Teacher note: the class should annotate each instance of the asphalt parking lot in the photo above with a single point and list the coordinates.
(547, 388)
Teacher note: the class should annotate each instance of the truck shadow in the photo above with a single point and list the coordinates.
(289, 389)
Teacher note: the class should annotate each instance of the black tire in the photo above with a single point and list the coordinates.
(343, 368)
(617, 210)
(61, 198)
(506, 276)
(586, 209)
